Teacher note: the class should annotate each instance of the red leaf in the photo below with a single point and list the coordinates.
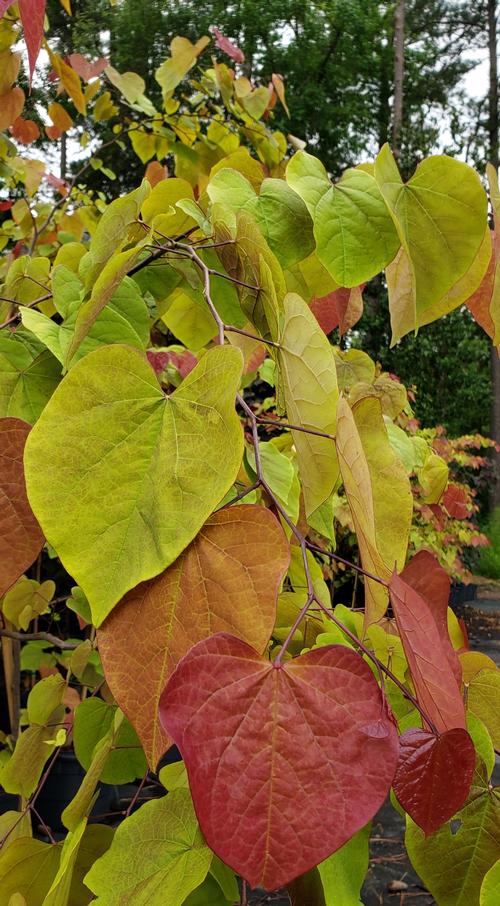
(455, 501)
(434, 775)
(227, 46)
(87, 69)
(285, 762)
(21, 538)
(342, 308)
(480, 301)
(6, 205)
(427, 654)
(427, 577)
(32, 14)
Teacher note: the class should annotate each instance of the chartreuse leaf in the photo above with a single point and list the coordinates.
(490, 886)
(14, 825)
(454, 861)
(81, 805)
(355, 235)
(255, 719)
(26, 600)
(158, 856)
(338, 880)
(125, 318)
(433, 478)
(247, 257)
(92, 720)
(106, 264)
(21, 538)
(309, 381)
(58, 894)
(29, 375)
(482, 742)
(392, 499)
(306, 175)
(226, 580)
(28, 867)
(109, 515)
(440, 216)
(280, 213)
(359, 489)
(483, 700)
(22, 772)
(183, 56)
(159, 208)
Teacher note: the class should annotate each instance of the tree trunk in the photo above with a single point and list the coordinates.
(493, 136)
(399, 67)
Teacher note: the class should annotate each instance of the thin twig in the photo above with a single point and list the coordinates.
(39, 637)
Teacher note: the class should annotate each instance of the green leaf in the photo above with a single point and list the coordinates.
(280, 213)
(343, 873)
(354, 231)
(81, 805)
(28, 867)
(23, 279)
(491, 886)
(453, 861)
(309, 380)
(28, 377)
(482, 741)
(189, 319)
(26, 600)
(483, 699)
(158, 856)
(14, 825)
(174, 776)
(113, 231)
(94, 843)
(93, 718)
(45, 713)
(440, 216)
(307, 177)
(58, 894)
(125, 319)
(109, 515)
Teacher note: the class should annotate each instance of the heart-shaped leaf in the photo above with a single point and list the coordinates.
(285, 761)
(226, 580)
(21, 537)
(130, 493)
(434, 775)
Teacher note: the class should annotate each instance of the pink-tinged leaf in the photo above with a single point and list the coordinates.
(427, 653)
(60, 184)
(285, 762)
(341, 308)
(183, 361)
(4, 5)
(434, 775)
(427, 577)
(21, 538)
(87, 69)
(455, 501)
(227, 46)
(32, 14)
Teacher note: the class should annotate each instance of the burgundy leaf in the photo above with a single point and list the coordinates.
(434, 775)
(285, 762)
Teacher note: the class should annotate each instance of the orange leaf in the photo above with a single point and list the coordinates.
(227, 579)
(11, 106)
(24, 131)
(21, 538)
(155, 172)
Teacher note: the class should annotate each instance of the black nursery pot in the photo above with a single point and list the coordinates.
(61, 787)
